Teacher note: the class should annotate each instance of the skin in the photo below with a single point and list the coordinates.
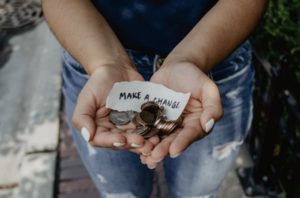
(86, 35)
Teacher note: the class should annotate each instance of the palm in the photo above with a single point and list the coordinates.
(91, 111)
(203, 104)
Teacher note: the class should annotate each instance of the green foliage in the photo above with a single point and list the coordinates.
(279, 33)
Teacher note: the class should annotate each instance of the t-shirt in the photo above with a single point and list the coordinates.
(153, 26)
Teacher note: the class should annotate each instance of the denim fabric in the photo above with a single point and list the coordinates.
(199, 170)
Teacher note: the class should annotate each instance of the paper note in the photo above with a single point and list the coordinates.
(129, 96)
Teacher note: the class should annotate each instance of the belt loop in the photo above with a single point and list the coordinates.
(154, 66)
(159, 61)
(210, 75)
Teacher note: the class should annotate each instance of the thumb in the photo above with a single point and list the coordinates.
(212, 107)
(84, 113)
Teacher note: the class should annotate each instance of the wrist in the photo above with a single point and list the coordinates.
(185, 61)
(116, 71)
(199, 62)
(117, 64)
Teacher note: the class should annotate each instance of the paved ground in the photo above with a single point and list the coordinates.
(74, 181)
(29, 128)
(29, 105)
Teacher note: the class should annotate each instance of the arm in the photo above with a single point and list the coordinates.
(218, 33)
(84, 33)
(87, 36)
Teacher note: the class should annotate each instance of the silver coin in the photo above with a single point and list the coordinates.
(119, 117)
(131, 114)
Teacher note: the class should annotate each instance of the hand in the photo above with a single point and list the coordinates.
(200, 114)
(91, 116)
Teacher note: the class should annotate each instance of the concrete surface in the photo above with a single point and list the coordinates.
(29, 104)
(230, 188)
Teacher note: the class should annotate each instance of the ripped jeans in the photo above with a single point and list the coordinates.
(200, 169)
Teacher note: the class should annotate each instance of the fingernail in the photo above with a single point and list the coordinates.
(146, 154)
(85, 134)
(209, 125)
(156, 161)
(175, 155)
(152, 166)
(118, 144)
(142, 161)
(133, 145)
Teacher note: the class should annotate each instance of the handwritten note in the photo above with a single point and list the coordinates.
(126, 96)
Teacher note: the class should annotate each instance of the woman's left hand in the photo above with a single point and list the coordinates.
(199, 116)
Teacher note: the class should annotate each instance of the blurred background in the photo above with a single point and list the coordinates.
(38, 158)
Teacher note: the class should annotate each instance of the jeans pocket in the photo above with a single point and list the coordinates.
(237, 89)
(233, 65)
(74, 77)
(236, 96)
(74, 65)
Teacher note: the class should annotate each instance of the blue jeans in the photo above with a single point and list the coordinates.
(200, 169)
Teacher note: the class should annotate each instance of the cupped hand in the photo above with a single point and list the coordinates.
(202, 111)
(91, 116)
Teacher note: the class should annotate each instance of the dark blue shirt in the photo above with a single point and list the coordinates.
(153, 26)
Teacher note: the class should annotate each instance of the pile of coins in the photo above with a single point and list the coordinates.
(149, 122)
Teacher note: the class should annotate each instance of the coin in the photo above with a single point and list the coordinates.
(167, 126)
(142, 130)
(137, 120)
(150, 112)
(153, 108)
(151, 133)
(148, 117)
(131, 114)
(120, 117)
(150, 104)
(152, 121)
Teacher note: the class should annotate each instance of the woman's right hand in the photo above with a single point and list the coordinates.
(91, 116)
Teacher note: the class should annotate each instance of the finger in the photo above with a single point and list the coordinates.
(108, 139)
(102, 112)
(161, 150)
(152, 166)
(146, 149)
(84, 113)
(104, 122)
(115, 130)
(194, 105)
(125, 127)
(143, 159)
(134, 140)
(191, 116)
(212, 107)
(154, 140)
(186, 136)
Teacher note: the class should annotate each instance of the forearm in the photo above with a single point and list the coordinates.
(218, 33)
(84, 33)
